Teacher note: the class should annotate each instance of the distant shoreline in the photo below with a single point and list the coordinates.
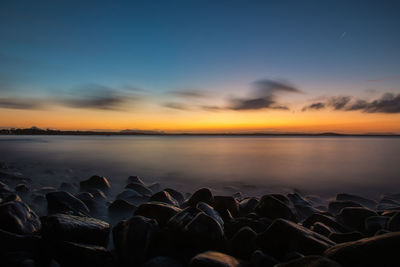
(31, 131)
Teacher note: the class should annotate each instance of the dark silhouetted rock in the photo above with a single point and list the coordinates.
(16, 242)
(345, 237)
(178, 196)
(95, 182)
(214, 259)
(203, 232)
(321, 228)
(207, 209)
(141, 189)
(284, 236)
(242, 245)
(369, 203)
(88, 199)
(75, 229)
(273, 208)
(298, 200)
(354, 217)
(22, 189)
(201, 195)
(325, 219)
(257, 225)
(177, 222)
(129, 194)
(121, 206)
(381, 250)
(226, 203)
(260, 259)
(74, 254)
(164, 197)
(375, 223)
(135, 179)
(17, 217)
(162, 261)
(60, 202)
(134, 238)
(335, 207)
(394, 223)
(310, 261)
(247, 205)
(161, 212)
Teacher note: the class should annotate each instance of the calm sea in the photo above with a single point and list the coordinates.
(251, 165)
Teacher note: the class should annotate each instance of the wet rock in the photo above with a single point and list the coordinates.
(354, 217)
(12, 242)
(325, 219)
(247, 205)
(88, 199)
(298, 200)
(95, 182)
(394, 223)
(74, 254)
(121, 206)
(61, 201)
(141, 189)
(177, 222)
(201, 195)
(226, 203)
(335, 207)
(17, 217)
(135, 179)
(305, 211)
(207, 209)
(273, 208)
(203, 232)
(375, 223)
(242, 244)
(45, 190)
(75, 229)
(161, 212)
(321, 228)
(260, 259)
(369, 203)
(68, 187)
(98, 195)
(379, 250)
(285, 236)
(257, 225)
(162, 261)
(134, 239)
(4, 191)
(164, 197)
(310, 261)
(214, 259)
(178, 196)
(345, 237)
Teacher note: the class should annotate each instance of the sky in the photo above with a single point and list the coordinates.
(201, 66)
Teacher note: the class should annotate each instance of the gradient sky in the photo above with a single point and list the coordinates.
(200, 66)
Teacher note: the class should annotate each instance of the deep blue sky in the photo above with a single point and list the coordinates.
(164, 45)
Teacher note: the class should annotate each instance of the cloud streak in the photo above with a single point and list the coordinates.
(387, 103)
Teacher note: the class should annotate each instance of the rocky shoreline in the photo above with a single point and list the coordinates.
(147, 225)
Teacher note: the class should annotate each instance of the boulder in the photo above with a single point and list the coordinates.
(164, 197)
(134, 239)
(95, 182)
(226, 203)
(214, 259)
(284, 236)
(65, 227)
(121, 206)
(345, 237)
(335, 207)
(369, 203)
(61, 201)
(17, 217)
(16, 242)
(375, 223)
(178, 196)
(207, 209)
(201, 195)
(325, 219)
(354, 217)
(273, 208)
(162, 261)
(161, 212)
(203, 232)
(381, 250)
(177, 222)
(88, 199)
(394, 223)
(322, 229)
(140, 188)
(310, 261)
(135, 179)
(257, 225)
(242, 245)
(247, 205)
(260, 259)
(22, 189)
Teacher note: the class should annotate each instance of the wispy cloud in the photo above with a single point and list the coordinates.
(189, 93)
(387, 103)
(17, 103)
